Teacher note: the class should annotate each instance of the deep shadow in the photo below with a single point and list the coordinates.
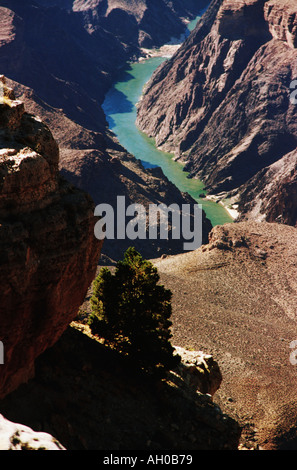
(90, 398)
(116, 100)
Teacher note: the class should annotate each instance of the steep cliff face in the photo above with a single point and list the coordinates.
(61, 60)
(143, 23)
(48, 252)
(70, 52)
(272, 194)
(223, 102)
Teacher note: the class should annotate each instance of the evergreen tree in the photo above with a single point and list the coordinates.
(131, 311)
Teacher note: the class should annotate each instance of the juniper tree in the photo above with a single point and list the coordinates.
(131, 311)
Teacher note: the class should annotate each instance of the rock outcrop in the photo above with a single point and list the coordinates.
(222, 103)
(48, 251)
(281, 18)
(235, 298)
(14, 436)
(199, 371)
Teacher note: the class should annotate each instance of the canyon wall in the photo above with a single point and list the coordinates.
(48, 251)
(69, 53)
(61, 70)
(222, 103)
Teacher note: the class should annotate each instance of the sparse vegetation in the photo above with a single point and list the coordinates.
(131, 311)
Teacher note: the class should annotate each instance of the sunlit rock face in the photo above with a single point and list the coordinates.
(224, 103)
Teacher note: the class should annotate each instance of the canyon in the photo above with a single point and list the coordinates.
(222, 104)
(62, 78)
(54, 134)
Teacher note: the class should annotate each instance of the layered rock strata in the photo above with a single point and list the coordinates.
(48, 252)
(224, 103)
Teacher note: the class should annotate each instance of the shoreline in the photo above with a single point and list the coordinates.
(230, 207)
(167, 51)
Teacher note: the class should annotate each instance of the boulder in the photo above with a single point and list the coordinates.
(15, 436)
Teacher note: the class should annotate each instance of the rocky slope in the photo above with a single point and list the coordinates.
(235, 298)
(48, 251)
(144, 23)
(271, 195)
(223, 102)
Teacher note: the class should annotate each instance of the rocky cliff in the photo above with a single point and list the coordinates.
(223, 102)
(70, 52)
(61, 70)
(48, 252)
(144, 23)
(96, 163)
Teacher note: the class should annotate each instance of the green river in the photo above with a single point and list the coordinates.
(120, 110)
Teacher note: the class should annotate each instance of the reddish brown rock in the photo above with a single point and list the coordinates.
(223, 102)
(48, 252)
(272, 194)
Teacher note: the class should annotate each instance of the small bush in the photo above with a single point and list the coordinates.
(131, 311)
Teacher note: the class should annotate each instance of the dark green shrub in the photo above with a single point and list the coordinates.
(131, 311)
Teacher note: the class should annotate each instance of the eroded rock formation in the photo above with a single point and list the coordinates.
(142, 22)
(97, 164)
(69, 52)
(223, 102)
(48, 251)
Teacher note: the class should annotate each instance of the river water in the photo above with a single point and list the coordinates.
(120, 110)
